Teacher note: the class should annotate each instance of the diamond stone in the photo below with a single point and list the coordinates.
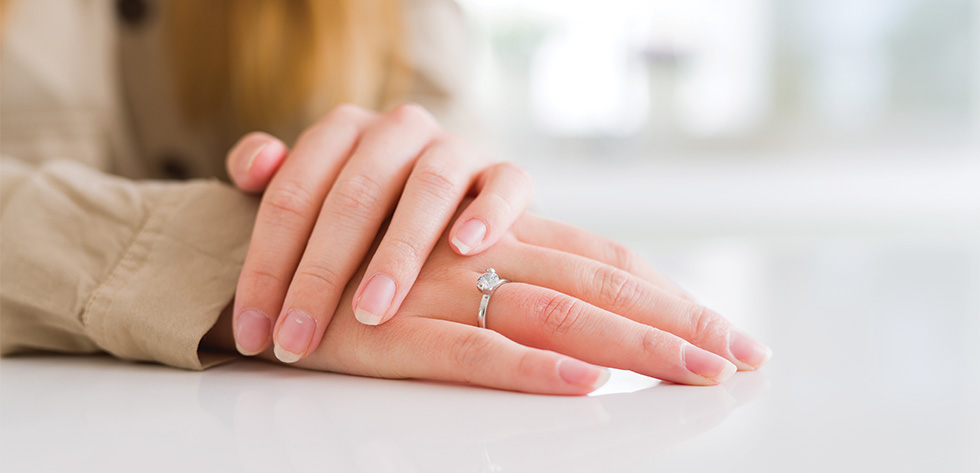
(487, 280)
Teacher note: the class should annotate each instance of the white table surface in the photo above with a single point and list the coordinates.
(875, 330)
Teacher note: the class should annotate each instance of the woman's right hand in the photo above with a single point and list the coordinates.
(578, 303)
(323, 205)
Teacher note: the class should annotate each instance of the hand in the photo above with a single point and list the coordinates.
(576, 296)
(325, 203)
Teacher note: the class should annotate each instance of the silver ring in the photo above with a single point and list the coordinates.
(487, 283)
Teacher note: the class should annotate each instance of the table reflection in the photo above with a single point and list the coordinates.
(311, 421)
(270, 418)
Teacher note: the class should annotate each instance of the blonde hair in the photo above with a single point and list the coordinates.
(265, 64)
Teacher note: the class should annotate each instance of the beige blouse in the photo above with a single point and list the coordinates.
(98, 253)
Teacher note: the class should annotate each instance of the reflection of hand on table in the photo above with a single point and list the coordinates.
(311, 424)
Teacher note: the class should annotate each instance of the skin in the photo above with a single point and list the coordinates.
(324, 201)
(582, 302)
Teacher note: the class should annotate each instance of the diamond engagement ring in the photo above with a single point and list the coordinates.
(487, 283)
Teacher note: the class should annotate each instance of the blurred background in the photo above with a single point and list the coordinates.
(740, 144)
(808, 168)
(656, 116)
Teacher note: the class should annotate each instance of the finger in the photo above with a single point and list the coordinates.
(437, 185)
(448, 351)
(253, 161)
(505, 191)
(622, 293)
(547, 319)
(352, 213)
(551, 234)
(285, 220)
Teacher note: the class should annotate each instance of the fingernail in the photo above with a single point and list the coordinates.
(469, 236)
(295, 336)
(375, 300)
(582, 374)
(706, 364)
(254, 153)
(748, 350)
(252, 331)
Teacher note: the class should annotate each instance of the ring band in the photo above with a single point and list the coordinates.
(487, 283)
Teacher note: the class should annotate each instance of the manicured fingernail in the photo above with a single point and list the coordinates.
(375, 300)
(252, 331)
(295, 336)
(706, 364)
(582, 374)
(253, 152)
(748, 350)
(469, 236)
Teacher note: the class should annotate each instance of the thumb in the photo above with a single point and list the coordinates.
(254, 160)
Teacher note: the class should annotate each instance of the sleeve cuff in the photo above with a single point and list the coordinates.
(172, 282)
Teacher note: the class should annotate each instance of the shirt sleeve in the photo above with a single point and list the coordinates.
(95, 263)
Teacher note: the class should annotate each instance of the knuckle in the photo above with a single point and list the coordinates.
(263, 278)
(341, 131)
(358, 196)
(616, 288)
(411, 113)
(289, 198)
(526, 365)
(622, 257)
(345, 111)
(559, 313)
(499, 205)
(471, 352)
(652, 341)
(405, 251)
(325, 279)
(520, 185)
(516, 172)
(343, 116)
(706, 325)
(438, 180)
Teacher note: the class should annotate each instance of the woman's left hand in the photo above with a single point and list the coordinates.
(579, 302)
